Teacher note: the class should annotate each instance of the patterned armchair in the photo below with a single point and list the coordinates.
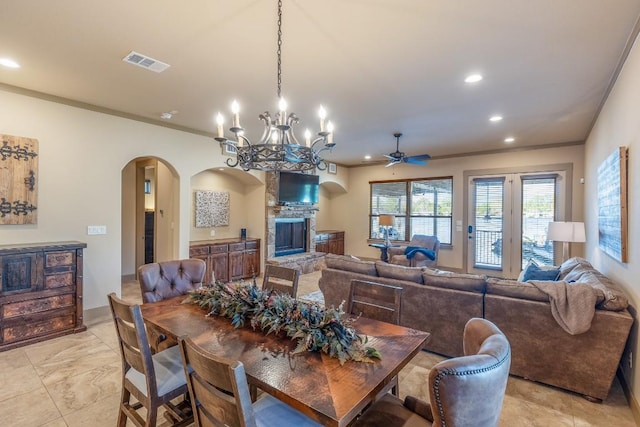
(416, 258)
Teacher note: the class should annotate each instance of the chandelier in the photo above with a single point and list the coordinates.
(278, 148)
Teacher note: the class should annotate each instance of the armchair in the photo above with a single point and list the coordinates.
(463, 391)
(398, 254)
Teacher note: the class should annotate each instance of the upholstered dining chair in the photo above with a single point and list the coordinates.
(377, 301)
(220, 394)
(281, 279)
(465, 391)
(168, 279)
(418, 253)
(153, 380)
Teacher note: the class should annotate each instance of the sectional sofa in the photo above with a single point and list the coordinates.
(441, 302)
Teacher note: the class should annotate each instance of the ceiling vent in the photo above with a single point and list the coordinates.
(143, 61)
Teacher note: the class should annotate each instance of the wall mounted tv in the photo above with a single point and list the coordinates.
(298, 188)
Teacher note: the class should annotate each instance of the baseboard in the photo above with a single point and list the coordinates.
(93, 316)
(128, 277)
(633, 403)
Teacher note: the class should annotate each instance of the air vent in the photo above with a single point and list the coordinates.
(143, 61)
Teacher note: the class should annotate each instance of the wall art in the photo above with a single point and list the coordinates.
(18, 180)
(612, 205)
(211, 208)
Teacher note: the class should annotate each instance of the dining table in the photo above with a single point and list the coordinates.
(314, 383)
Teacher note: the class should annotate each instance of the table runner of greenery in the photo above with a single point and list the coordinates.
(316, 328)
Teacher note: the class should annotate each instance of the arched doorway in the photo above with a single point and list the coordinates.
(150, 213)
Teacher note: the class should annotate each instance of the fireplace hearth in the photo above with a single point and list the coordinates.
(291, 236)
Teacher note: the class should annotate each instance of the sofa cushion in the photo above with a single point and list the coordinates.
(515, 289)
(451, 280)
(610, 296)
(400, 272)
(342, 262)
(534, 272)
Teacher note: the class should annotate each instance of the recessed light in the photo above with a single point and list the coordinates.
(367, 157)
(509, 140)
(495, 118)
(9, 63)
(221, 169)
(166, 116)
(473, 78)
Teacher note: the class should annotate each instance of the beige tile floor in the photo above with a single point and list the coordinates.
(75, 381)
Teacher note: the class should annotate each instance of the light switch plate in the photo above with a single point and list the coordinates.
(96, 229)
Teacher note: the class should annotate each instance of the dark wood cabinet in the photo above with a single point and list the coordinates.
(41, 293)
(228, 259)
(330, 241)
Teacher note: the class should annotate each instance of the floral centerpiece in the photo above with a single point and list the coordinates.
(316, 328)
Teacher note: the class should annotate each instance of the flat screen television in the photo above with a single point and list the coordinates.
(298, 188)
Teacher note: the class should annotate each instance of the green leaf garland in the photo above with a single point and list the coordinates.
(316, 328)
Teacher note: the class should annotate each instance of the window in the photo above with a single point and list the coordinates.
(420, 206)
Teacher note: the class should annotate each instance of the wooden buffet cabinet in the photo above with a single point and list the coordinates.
(228, 259)
(330, 241)
(41, 293)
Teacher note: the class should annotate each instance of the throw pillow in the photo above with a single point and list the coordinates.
(534, 272)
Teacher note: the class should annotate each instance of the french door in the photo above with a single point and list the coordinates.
(507, 222)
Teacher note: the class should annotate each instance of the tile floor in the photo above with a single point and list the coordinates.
(75, 381)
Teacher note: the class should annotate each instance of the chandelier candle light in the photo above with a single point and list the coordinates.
(278, 148)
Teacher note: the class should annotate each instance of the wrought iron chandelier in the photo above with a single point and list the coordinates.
(278, 148)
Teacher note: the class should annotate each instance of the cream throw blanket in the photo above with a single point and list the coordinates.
(572, 304)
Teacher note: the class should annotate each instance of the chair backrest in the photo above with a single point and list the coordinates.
(281, 279)
(469, 390)
(168, 279)
(133, 342)
(423, 241)
(217, 386)
(375, 301)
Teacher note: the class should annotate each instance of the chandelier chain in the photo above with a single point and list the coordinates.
(279, 52)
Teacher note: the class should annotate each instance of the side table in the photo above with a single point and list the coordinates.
(384, 256)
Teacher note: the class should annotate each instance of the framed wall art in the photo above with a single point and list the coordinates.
(612, 205)
(332, 168)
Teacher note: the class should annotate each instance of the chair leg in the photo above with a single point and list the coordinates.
(124, 401)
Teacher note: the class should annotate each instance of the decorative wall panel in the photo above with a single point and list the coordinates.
(18, 180)
(212, 208)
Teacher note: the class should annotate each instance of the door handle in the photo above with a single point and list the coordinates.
(470, 231)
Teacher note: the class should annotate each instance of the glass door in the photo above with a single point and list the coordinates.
(508, 220)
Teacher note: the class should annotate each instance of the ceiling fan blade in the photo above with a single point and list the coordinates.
(414, 161)
(421, 157)
(395, 162)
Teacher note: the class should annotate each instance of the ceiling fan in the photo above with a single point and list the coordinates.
(399, 157)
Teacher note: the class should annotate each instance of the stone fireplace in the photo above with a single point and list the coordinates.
(295, 243)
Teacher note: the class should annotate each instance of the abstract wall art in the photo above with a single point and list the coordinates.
(212, 208)
(612, 205)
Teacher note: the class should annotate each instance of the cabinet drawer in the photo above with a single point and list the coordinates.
(251, 244)
(58, 259)
(18, 331)
(22, 308)
(217, 249)
(198, 250)
(234, 247)
(58, 280)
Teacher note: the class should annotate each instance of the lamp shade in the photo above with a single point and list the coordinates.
(386, 220)
(566, 232)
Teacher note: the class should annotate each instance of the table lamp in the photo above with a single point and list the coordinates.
(566, 232)
(386, 221)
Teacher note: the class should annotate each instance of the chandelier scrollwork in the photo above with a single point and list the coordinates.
(278, 148)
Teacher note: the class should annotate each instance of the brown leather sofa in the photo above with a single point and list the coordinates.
(169, 279)
(441, 302)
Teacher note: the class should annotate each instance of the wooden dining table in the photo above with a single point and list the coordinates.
(312, 382)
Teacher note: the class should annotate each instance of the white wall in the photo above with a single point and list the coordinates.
(619, 125)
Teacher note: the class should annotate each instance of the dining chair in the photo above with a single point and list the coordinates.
(377, 301)
(281, 279)
(220, 394)
(168, 279)
(466, 391)
(153, 380)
